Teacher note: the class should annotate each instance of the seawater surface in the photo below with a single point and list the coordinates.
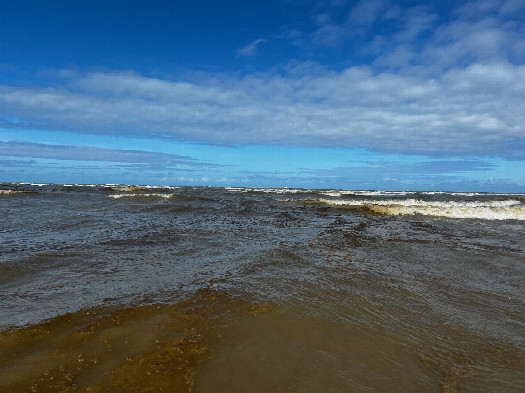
(109, 288)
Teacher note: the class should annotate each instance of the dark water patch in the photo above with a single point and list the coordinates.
(11, 272)
(285, 216)
(150, 238)
(248, 210)
(177, 209)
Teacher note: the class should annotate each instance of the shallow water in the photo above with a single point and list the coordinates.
(228, 290)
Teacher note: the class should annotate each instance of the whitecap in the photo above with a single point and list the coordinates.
(509, 209)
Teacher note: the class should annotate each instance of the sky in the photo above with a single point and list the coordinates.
(369, 94)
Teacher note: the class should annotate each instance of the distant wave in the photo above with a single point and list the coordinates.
(364, 193)
(13, 192)
(270, 190)
(490, 210)
(156, 195)
(338, 193)
(132, 188)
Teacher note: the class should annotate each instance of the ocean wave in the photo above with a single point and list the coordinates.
(128, 188)
(13, 192)
(339, 193)
(489, 210)
(156, 195)
(270, 190)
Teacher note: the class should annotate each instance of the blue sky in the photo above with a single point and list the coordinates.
(376, 94)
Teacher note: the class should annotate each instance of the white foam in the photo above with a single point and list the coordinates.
(117, 196)
(338, 193)
(14, 192)
(332, 193)
(490, 210)
(284, 190)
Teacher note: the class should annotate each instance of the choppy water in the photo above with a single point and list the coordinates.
(135, 289)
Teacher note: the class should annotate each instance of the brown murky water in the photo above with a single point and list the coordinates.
(214, 290)
(138, 349)
(215, 343)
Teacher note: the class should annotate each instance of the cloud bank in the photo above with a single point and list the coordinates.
(478, 109)
(431, 85)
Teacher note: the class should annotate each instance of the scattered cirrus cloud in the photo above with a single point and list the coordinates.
(444, 169)
(366, 12)
(90, 153)
(478, 30)
(251, 49)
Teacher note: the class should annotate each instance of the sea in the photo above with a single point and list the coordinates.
(118, 288)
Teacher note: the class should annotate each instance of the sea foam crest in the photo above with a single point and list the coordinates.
(167, 196)
(16, 192)
(338, 193)
(268, 190)
(490, 210)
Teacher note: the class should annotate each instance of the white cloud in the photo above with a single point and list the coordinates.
(464, 41)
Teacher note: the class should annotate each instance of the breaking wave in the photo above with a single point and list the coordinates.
(489, 210)
(284, 190)
(13, 192)
(338, 193)
(157, 195)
